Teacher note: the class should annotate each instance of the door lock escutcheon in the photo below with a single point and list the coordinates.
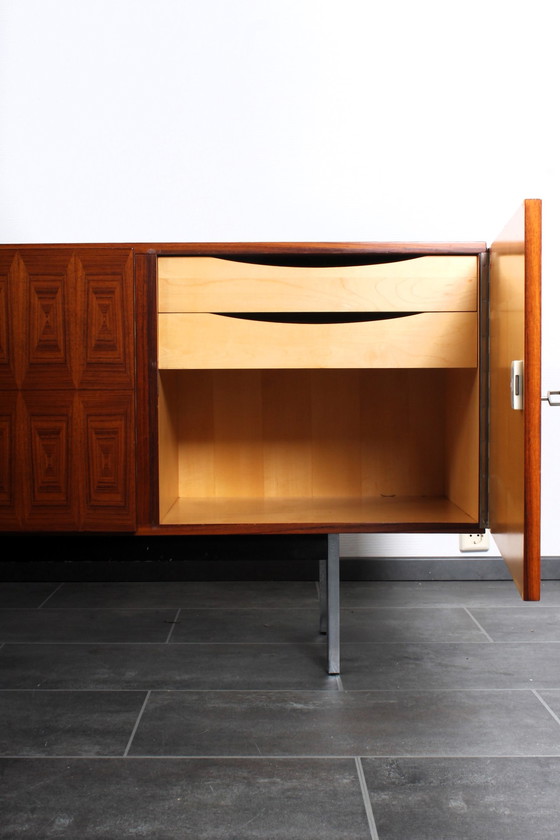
(517, 385)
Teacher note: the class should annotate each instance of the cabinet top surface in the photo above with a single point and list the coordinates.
(209, 248)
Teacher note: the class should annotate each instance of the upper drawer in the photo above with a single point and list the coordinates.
(421, 284)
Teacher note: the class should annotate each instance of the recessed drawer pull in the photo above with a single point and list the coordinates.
(315, 317)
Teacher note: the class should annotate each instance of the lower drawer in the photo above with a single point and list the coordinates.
(210, 341)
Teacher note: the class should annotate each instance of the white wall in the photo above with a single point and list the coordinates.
(285, 120)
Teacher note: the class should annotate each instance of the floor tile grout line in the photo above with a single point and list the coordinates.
(144, 608)
(136, 725)
(57, 589)
(284, 757)
(545, 704)
(533, 606)
(355, 608)
(366, 799)
(120, 690)
(173, 625)
(478, 624)
(163, 643)
(273, 690)
(291, 644)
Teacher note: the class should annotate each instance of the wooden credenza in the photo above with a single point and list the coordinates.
(273, 388)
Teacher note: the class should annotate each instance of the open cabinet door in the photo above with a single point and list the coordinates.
(514, 434)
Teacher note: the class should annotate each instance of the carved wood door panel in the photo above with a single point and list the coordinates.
(67, 373)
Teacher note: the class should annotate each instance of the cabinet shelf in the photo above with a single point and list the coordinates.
(302, 511)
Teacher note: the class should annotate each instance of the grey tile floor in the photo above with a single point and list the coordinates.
(203, 710)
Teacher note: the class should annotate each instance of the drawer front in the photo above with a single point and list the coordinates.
(209, 341)
(421, 284)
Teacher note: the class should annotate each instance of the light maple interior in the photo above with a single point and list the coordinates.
(395, 446)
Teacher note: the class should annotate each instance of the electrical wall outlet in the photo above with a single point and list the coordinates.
(474, 542)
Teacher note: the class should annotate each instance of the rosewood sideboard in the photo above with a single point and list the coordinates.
(275, 388)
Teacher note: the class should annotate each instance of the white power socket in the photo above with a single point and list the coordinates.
(474, 542)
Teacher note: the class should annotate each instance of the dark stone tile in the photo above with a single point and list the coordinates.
(73, 625)
(147, 666)
(390, 625)
(464, 798)
(182, 800)
(196, 594)
(345, 723)
(450, 666)
(358, 626)
(441, 593)
(25, 595)
(67, 723)
(531, 622)
(272, 626)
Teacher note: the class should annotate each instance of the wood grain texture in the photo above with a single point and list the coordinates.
(424, 284)
(48, 488)
(208, 341)
(67, 431)
(326, 515)
(44, 319)
(75, 457)
(106, 474)
(147, 504)
(293, 438)
(244, 248)
(103, 343)
(10, 316)
(66, 318)
(462, 439)
(10, 508)
(515, 333)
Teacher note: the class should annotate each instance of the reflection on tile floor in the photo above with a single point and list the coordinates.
(203, 710)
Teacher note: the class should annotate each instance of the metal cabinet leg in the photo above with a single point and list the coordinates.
(323, 597)
(333, 604)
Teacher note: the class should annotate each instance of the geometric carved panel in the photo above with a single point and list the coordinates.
(49, 457)
(78, 326)
(108, 463)
(49, 437)
(106, 438)
(48, 322)
(4, 349)
(8, 318)
(10, 499)
(7, 457)
(105, 308)
(105, 322)
(78, 460)
(67, 377)
(47, 335)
